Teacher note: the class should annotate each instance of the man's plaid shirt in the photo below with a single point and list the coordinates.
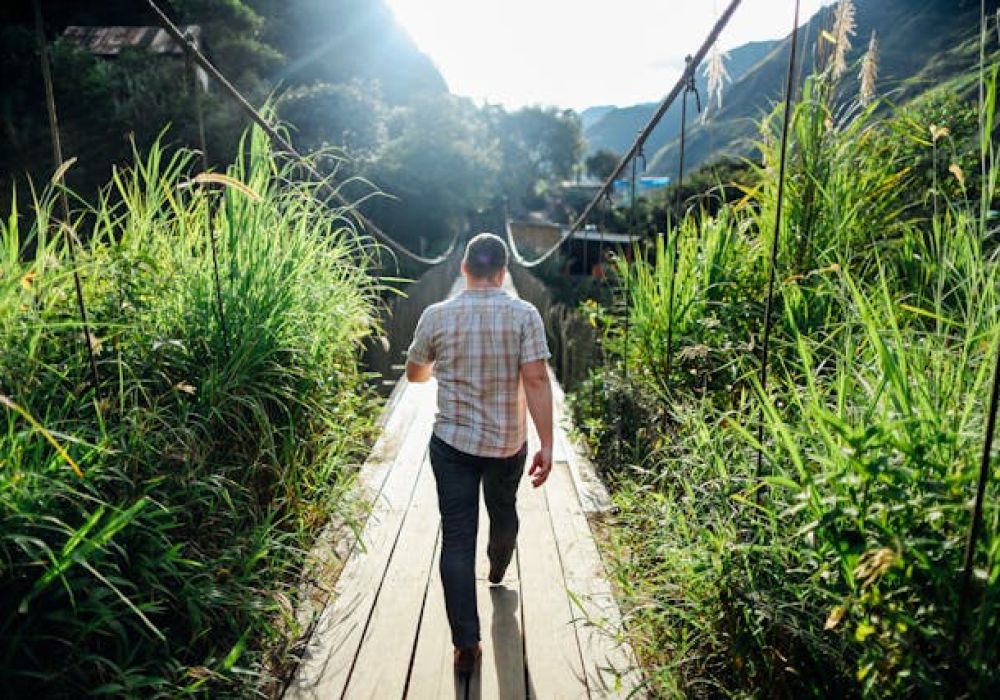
(478, 341)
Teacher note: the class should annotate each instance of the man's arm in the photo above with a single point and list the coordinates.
(420, 355)
(538, 393)
(418, 373)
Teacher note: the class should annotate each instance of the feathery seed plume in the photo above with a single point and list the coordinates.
(869, 71)
(843, 30)
(718, 76)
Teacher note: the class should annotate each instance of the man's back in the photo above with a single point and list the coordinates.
(478, 341)
(488, 351)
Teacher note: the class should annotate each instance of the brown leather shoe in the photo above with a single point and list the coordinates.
(466, 659)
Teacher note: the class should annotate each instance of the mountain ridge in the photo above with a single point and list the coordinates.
(921, 44)
(616, 129)
(913, 35)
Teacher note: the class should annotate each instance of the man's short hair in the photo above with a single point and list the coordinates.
(485, 255)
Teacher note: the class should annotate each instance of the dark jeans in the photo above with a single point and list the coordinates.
(458, 475)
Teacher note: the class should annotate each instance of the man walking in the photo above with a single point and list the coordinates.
(488, 352)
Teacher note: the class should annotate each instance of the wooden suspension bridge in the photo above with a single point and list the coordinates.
(552, 629)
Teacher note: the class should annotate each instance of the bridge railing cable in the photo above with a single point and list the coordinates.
(640, 140)
(276, 137)
(59, 178)
(776, 238)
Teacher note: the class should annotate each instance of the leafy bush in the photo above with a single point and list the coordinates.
(823, 559)
(216, 444)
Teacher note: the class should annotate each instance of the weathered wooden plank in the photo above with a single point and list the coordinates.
(431, 675)
(406, 401)
(607, 661)
(399, 482)
(552, 654)
(593, 494)
(330, 654)
(390, 635)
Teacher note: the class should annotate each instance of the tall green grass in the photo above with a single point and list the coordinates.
(837, 572)
(210, 453)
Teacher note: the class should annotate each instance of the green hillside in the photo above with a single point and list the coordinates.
(922, 43)
(614, 129)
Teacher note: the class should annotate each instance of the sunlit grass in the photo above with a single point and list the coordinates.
(152, 529)
(835, 572)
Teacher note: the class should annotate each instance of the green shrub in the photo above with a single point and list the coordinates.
(831, 567)
(212, 451)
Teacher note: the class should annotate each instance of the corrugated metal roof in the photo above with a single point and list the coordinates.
(109, 41)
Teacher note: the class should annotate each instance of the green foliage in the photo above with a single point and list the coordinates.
(601, 164)
(538, 145)
(212, 452)
(834, 570)
(348, 116)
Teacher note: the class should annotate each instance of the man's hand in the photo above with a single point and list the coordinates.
(541, 465)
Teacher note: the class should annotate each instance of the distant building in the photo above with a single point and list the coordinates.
(585, 249)
(109, 42)
(623, 188)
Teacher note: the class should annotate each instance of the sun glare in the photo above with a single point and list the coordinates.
(576, 54)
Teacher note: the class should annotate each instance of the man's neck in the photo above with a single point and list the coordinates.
(481, 284)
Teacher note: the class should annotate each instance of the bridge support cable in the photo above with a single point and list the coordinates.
(968, 564)
(634, 227)
(60, 180)
(644, 134)
(773, 261)
(276, 137)
(977, 512)
(678, 204)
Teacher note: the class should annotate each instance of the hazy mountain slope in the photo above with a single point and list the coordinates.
(920, 46)
(616, 129)
(592, 115)
(336, 41)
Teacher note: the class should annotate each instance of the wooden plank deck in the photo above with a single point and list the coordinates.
(551, 630)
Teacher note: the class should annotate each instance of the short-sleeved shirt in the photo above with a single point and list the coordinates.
(478, 341)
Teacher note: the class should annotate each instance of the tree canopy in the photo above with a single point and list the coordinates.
(341, 74)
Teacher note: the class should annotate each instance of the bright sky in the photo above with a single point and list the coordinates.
(577, 53)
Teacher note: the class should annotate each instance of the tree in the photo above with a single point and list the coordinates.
(350, 117)
(602, 164)
(439, 162)
(538, 145)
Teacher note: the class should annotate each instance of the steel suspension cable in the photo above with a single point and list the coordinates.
(634, 228)
(60, 179)
(773, 262)
(675, 249)
(284, 143)
(644, 134)
(984, 461)
(977, 512)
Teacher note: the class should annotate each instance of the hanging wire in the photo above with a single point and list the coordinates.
(977, 512)
(984, 462)
(608, 209)
(773, 263)
(634, 231)
(675, 247)
(644, 133)
(195, 88)
(199, 109)
(601, 287)
(276, 137)
(57, 156)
